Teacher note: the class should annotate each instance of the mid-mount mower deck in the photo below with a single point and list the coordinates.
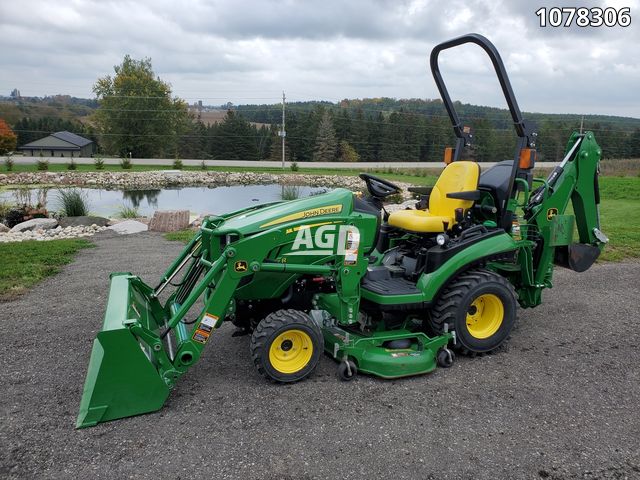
(389, 295)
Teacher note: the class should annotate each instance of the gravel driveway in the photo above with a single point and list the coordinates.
(561, 400)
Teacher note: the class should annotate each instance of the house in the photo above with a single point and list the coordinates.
(59, 144)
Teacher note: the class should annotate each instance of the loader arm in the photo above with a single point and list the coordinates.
(146, 345)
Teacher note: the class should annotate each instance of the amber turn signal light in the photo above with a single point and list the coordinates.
(527, 158)
(448, 155)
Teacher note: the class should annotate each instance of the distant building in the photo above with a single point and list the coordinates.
(59, 144)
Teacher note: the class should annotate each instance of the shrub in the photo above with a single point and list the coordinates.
(290, 192)
(8, 162)
(5, 208)
(14, 217)
(177, 164)
(294, 166)
(72, 165)
(125, 163)
(73, 202)
(42, 165)
(346, 153)
(99, 163)
(203, 165)
(128, 211)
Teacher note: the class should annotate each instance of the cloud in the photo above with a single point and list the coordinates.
(239, 51)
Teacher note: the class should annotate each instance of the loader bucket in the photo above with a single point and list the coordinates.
(121, 379)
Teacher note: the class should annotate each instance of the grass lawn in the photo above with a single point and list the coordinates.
(26, 263)
(620, 220)
(182, 236)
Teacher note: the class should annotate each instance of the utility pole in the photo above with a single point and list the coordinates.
(283, 132)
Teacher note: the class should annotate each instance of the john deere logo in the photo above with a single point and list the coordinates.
(552, 212)
(241, 266)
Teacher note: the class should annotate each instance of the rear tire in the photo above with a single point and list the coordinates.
(480, 306)
(286, 346)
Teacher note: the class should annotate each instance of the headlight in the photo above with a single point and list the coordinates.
(441, 239)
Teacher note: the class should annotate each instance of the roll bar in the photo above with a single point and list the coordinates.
(526, 136)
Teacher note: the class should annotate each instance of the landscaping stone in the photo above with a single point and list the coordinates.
(57, 233)
(83, 221)
(166, 178)
(169, 220)
(410, 204)
(4, 228)
(35, 224)
(129, 226)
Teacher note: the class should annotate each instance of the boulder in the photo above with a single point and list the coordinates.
(85, 221)
(169, 220)
(4, 228)
(129, 226)
(36, 224)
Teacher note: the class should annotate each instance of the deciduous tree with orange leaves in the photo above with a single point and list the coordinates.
(8, 139)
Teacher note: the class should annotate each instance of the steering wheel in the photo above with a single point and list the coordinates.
(378, 187)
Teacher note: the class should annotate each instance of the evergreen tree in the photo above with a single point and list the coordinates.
(485, 146)
(391, 139)
(235, 139)
(343, 126)
(360, 135)
(193, 144)
(375, 138)
(326, 143)
(265, 141)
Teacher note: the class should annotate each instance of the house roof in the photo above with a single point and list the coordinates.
(72, 138)
(58, 141)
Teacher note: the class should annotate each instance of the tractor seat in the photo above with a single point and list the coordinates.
(460, 176)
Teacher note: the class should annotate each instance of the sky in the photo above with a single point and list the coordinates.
(238, 51)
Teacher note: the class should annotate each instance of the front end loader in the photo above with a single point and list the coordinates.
(389, 295)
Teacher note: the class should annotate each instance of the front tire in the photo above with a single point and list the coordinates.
(286, 346)
(480, 306)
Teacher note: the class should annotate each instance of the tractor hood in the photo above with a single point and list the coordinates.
(336, 202)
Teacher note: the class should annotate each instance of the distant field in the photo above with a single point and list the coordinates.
(217, 116)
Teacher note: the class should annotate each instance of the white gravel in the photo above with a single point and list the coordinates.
(57, 233)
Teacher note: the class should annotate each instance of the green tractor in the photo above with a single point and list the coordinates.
(390, 295)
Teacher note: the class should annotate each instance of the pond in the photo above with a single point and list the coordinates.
(197, 200)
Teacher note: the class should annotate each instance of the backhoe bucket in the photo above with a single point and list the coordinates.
(121, 379)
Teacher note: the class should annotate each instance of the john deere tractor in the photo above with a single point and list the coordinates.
(389, 295)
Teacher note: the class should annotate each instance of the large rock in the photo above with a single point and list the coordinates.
(169, 220)
(36, 224)
(129, 226)
(85, 221)
(3, 228)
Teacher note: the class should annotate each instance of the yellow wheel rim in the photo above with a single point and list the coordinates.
(485, 315)
(291, 351)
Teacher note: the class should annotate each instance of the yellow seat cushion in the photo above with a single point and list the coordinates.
(418, 221)
(460, 176)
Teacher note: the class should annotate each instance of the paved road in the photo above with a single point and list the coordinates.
(261, 164)
(560, 401)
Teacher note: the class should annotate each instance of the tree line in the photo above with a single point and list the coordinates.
(137, 114)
